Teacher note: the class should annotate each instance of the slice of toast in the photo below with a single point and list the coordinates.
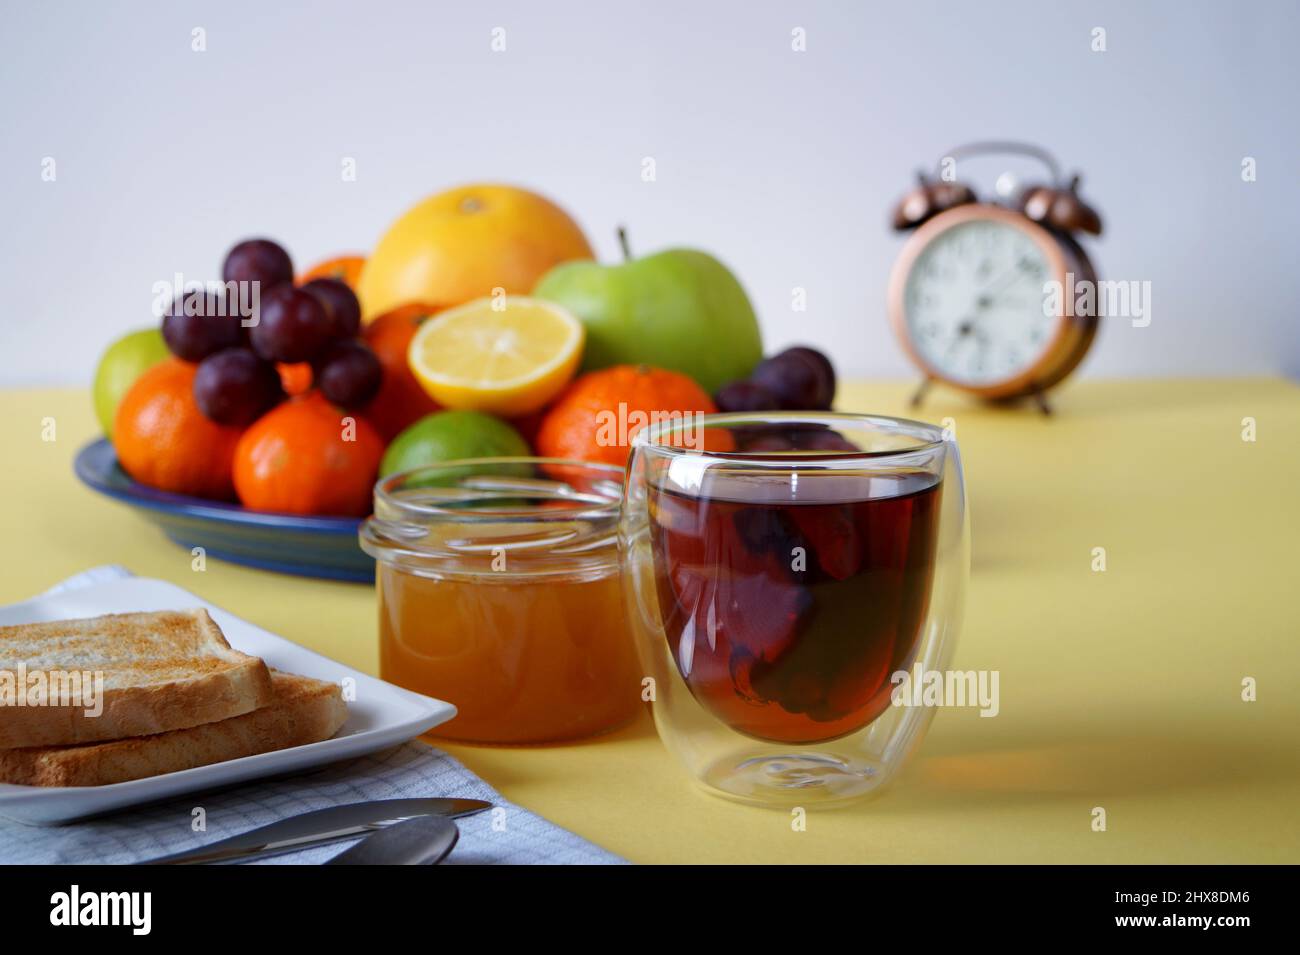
(161, 671)
(303, 711)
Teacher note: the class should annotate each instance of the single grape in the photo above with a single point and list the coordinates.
(234, 386)
(796, 381)
(199, 323)
(821, 439)
(349, 374)
(824, 364)
(292, 326)
(340, 304)
(762, 439)
(811, 437)
(745, 396)
(258, 260)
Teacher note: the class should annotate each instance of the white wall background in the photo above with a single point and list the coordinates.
(782, 163)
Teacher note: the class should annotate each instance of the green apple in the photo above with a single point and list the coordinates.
(125, 360)
(679, 309)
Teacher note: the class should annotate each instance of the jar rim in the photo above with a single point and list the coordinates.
(561, 506)
(544, 516)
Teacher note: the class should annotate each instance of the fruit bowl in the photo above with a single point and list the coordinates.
(298, 544)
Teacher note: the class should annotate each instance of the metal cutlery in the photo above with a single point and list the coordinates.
(425, 840)
(319, 828)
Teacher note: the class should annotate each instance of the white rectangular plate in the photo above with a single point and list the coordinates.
(380, 716)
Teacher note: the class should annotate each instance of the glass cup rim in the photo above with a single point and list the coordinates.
(386, 491)
(928, 436)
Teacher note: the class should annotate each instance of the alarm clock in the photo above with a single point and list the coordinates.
(971, 295)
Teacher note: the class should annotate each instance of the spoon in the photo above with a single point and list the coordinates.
(425, 840)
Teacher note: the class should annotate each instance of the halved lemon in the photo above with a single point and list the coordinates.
(507, 357)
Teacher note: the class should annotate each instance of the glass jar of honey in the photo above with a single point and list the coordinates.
(499, 591)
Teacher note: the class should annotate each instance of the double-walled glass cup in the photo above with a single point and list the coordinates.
(782, 571)
(499, 591)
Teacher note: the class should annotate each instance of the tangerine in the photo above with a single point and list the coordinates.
(163, 440)
(296, 378)
(308, 457)
(345, 268)
(401, 400)
(597, 416)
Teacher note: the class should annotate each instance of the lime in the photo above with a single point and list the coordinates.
(450, 436)
(125, 360)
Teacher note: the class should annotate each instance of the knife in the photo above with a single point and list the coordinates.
(320, 828)
(425, 840)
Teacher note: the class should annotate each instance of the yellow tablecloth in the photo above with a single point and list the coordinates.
(1119, 689)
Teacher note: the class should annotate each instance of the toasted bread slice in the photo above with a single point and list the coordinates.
(161, 671)
(303, 711)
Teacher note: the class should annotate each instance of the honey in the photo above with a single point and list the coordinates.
(499, 591)
(523, 660)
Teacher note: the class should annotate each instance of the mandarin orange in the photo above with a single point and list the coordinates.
(163, 440)
(401, 400)
(345, 268)
(308, 457)
(597, 416)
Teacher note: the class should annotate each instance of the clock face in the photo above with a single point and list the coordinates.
(973, 302)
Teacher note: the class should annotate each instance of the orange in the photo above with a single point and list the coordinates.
(308, 457)
(462, 244)
(345, 268)
(296, 378)
(401, 401)
(596, 418)
(163, 440)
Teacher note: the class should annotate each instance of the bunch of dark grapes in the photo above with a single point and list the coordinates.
(238, 379)
(200, 323)
(234, 386)
(797, 379)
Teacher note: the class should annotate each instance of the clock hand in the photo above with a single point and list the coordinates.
(1003, 282)
(986, 300)
(1000, 284)
(964, 331)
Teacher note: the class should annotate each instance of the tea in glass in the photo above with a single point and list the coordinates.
(788, 602)
(781, 570)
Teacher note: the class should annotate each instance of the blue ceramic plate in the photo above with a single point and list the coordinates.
(289, 543)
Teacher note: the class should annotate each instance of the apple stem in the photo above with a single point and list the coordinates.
(622, 244)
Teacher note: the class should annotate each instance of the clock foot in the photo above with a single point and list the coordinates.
(1040, 399)
(919, 395)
